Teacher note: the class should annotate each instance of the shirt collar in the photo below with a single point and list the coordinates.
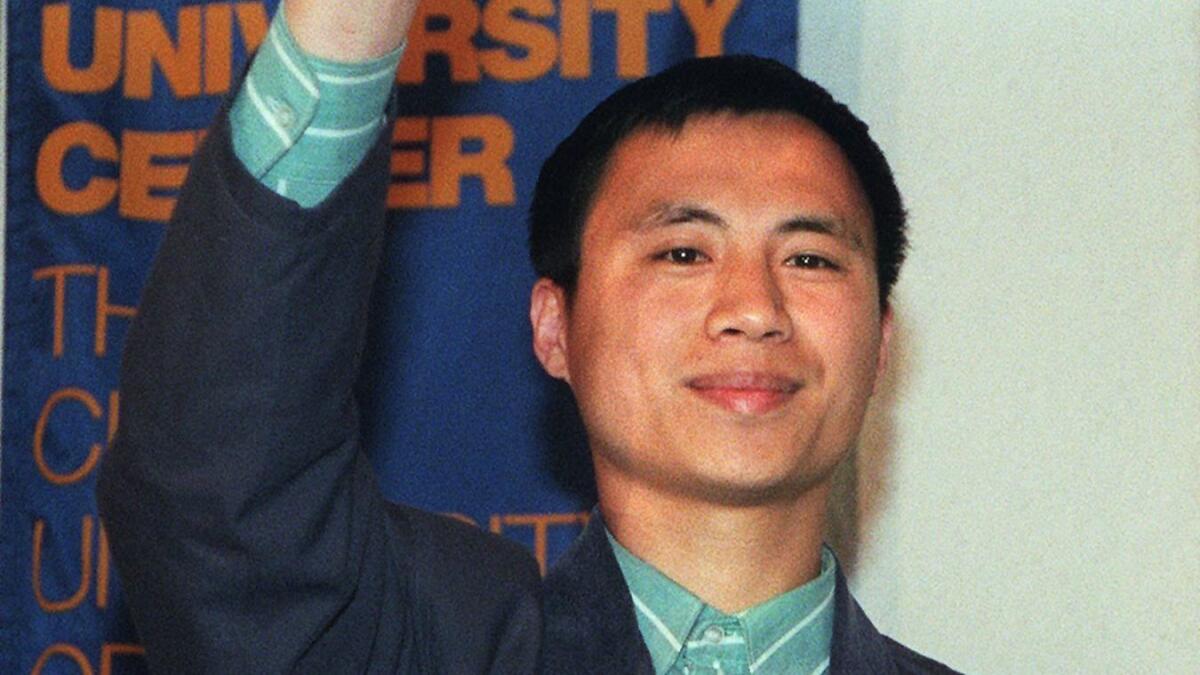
(780, 630)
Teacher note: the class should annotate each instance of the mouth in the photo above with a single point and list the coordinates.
(745, 393)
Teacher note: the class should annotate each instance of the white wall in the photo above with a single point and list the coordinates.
(1027, 495)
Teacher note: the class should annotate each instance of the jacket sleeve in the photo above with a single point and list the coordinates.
(243, 517)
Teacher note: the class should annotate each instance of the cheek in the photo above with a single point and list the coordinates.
(846, 334)
(666, 333)
(857, 359)
(602, 347)
(625, 345)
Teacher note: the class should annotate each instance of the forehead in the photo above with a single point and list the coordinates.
(760, 166)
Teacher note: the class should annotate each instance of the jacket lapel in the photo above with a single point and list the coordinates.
(589, 618)
(857, 646)
(591, 626)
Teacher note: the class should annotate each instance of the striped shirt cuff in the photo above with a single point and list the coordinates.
(301, 124)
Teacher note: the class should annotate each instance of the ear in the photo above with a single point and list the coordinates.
(548, 316)
(885, 347)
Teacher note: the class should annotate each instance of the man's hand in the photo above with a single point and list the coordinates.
(349, 30)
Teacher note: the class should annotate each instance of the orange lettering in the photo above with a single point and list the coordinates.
(461, 517)
(105, 68)
(541, 523)
(104, 310)
(85, 568)
(218, 47)
(68, 651)
(53, 190)
(39, 437)
(501, 22)
(708, 20)
(409, 194)
(632, 41)
(449, 164)
(218, 39)
(141, 176)
(180, 64)
(454, 41)
(103, 576)
(575, 39)
(113, 649)
(60, 273)
(114, 414)
(253, 22)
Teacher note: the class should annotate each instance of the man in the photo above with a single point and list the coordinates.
(715, 246)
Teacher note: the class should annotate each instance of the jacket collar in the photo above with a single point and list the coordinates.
(589, 618)
(857, 646)
(591, 626)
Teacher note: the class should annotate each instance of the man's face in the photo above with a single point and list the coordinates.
(725, 334)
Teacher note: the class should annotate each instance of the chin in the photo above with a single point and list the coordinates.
(752, 489)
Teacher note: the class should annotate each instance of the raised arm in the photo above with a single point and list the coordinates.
(244, 518)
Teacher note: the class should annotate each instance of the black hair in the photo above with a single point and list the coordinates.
(741, 85)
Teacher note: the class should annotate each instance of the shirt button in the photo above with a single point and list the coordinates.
(283, 112)
(714, 634)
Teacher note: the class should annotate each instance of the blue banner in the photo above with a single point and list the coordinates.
(106, 103)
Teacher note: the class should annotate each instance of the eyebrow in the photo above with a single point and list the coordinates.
(666, 215)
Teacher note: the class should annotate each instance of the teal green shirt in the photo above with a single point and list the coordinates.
(301, 124)
(790, 633)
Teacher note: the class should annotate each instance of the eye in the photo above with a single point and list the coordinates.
(811, 261)
(682, 256)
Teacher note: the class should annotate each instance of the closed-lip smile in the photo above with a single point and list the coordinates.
(745, 392)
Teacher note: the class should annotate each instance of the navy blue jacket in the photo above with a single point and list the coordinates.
(244, 519)
(591, 627)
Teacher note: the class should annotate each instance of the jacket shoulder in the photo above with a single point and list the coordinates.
(477, 598)
(466, 553)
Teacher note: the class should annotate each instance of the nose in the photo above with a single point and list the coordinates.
(749, 304)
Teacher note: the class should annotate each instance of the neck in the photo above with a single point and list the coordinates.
(730, 556)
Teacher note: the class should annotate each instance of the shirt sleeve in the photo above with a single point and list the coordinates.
(300, 124)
